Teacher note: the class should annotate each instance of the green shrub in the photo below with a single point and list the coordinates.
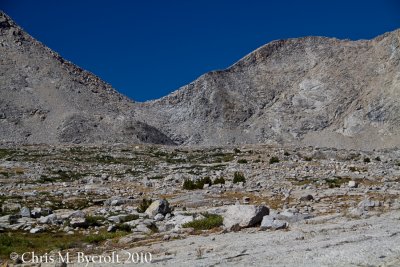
(189, 184)
(378, 159)
(129, 217)
(238, 177)
(94, 220)
(219, 180)
(237, 150)
(286, 154)
(199, 184)
(367, 160)
(242, 161)
(308, 158)
(210, 221)
(144, 205)
(273, 160)
(123, 227)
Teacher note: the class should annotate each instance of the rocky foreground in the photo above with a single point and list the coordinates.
(215, 206)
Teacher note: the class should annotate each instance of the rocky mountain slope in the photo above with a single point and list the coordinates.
(45, 99)
(313, 90)
(306, 91)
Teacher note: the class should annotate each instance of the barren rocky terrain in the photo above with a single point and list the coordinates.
(252, 205)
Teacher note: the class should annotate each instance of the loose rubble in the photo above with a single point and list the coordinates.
(126, 196)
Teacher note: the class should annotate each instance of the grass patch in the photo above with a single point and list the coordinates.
(337, 181)
(95, 220)
(41, 243)
(209, 222)
(103, 236)
(6, 153)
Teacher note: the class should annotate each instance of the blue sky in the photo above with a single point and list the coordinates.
(146, 49)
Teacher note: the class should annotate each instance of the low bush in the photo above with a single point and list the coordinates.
(219, 180)
(238, 177)
(209, 222)
(273, 160)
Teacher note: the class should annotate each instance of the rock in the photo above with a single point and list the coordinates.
(111, 228)
(270, 222)
(38, 212)
(352, 184)
(10, 207)
(78, 222)
(306, 198)
(158, 206)
(131, 238)
(367, 204)
(36, 230)
(13, 219)
(241, 216)
(159, 217)
(142, 228)
(246, 200)
(115, 201)
(25, 212)
(177, 221)
(77, 214)
(50, 219)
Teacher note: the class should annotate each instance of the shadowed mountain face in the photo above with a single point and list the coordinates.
(45, 99)
(307, 91)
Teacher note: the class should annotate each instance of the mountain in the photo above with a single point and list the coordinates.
(46, 99)
(308, 91)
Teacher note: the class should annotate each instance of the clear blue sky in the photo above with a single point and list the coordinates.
(146, 49)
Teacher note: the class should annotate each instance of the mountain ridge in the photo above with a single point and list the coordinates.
(299, 91)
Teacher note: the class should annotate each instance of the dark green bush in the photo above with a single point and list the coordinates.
(367, 160)
(199, 184)
(242, 161)
(219, 180)
(273, 160)
(237, 150)
(238, 177)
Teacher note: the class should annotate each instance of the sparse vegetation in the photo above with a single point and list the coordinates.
(273, 160)
(210, 221)
(219, 180)
(337, 181)
(308, 158)
(144, 205)
(94, 220)
(238, 177)
(286, 153)
(199, 184)
(367, 160)
(242, 161)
